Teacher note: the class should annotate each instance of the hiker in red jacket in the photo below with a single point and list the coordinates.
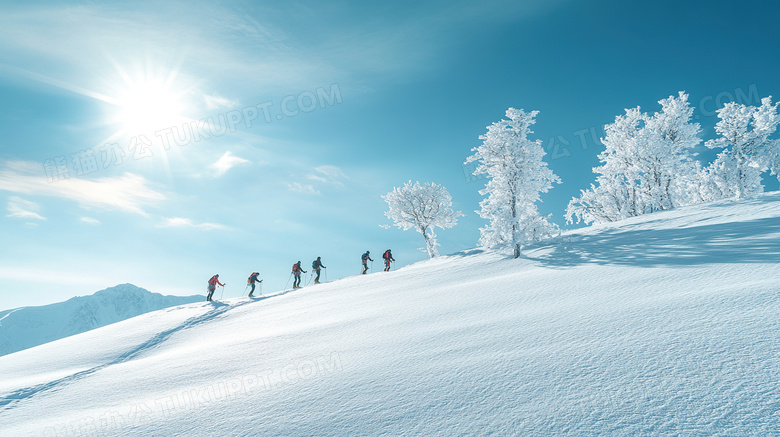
(388, 256)
(213, 286)
(297, 269)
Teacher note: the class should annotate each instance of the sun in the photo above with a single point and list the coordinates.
(148, 105)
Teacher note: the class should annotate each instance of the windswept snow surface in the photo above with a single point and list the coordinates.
(665, 324)
(23, 328)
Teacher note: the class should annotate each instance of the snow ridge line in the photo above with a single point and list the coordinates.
(9, 313)
(9, 401)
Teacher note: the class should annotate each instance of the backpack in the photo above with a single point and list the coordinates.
(363, 257)
(213, 280)
(295, 267)
(253, 276)
(314, 264)
(386, 255)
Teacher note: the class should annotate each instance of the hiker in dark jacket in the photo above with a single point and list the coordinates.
(316, 266)
(252, 281)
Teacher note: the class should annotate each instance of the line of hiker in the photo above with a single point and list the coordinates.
(297, 269)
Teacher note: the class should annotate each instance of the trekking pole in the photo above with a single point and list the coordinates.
(222, 293)
(326, 275)
(288, 281)
(242, 294)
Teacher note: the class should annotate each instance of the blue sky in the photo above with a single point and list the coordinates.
(374, 95)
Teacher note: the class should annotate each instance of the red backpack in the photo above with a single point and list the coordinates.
(213, 280)
(295, 267)
(252, 277)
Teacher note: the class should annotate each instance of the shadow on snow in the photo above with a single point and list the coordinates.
(753, 241)
(10, 400)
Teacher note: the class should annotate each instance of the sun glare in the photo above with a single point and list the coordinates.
(147, 106)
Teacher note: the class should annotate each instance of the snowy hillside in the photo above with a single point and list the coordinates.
(665, 324)
(23, 328)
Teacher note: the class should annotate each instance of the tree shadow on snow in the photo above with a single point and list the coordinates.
(754, 241)
(466, 253)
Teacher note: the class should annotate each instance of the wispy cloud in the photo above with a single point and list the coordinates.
(226, 162)
(218, 102)
(129, 192)
(181, 222)
(24, 209)
(302, 188)
(89, 221)
(328, 174)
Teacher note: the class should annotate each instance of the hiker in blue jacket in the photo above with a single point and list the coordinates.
(365, 258)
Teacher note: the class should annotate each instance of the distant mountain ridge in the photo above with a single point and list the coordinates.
(27, 327)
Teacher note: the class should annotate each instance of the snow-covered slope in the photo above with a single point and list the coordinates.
(661, 325)
(26, 327)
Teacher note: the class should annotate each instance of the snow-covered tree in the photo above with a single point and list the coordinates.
(748, 151)
(671, 169)
(517, 175)
(774, 158)
(422, 208)
(646, 165)
(609, 201)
